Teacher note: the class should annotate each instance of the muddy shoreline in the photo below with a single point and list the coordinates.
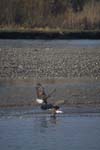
(34, 105)
(75, 93)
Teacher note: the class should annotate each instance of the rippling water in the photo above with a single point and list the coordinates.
(26, 130)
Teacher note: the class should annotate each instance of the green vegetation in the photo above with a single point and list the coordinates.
(49, 15)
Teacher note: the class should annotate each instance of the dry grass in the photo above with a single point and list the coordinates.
(86, 19)
(89, 18)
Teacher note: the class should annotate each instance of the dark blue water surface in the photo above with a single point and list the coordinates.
(26, 130)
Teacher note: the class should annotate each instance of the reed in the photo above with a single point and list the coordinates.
(50, 14)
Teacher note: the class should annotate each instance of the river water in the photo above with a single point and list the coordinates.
(26, 130)
(32, 129)
(59, 44)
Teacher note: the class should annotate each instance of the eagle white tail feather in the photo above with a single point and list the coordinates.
(39, 101)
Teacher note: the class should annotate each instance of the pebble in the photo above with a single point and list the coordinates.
(49, 63)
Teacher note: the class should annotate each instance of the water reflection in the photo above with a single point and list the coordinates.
(43, 132)
(45, 122)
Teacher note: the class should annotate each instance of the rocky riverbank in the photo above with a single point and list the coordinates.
(49, 63)
(73, 71)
